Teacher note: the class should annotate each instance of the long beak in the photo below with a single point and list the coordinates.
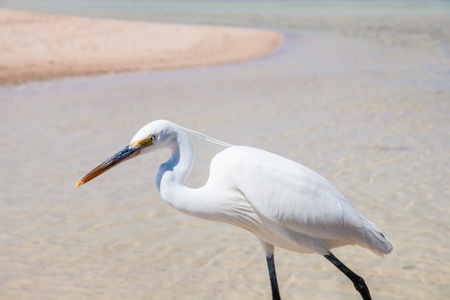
(128, 152)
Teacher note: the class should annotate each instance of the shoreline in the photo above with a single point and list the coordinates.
(39, 46)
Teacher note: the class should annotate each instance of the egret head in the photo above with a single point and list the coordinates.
(153, 136)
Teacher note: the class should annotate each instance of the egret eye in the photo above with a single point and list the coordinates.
(151, 138)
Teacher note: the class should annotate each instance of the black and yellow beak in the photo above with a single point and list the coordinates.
(126, 153)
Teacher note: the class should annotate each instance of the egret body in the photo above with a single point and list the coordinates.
(283, 203)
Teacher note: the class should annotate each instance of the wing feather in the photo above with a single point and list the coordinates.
(296, 197)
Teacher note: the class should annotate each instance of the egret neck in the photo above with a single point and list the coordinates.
(172, 174)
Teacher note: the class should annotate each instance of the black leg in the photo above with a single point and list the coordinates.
(358, 281)
(273, 277)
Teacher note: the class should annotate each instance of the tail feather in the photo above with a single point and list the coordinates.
(378, 242)
(375, 240)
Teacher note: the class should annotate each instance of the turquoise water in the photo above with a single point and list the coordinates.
(242, 13)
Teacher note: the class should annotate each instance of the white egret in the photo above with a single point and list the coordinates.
(283, 203)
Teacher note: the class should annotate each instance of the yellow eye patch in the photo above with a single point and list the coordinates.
(144, 143)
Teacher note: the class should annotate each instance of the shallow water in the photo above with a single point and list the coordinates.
(366, 105)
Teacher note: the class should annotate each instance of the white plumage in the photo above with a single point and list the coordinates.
(283, 203)
(287, 204)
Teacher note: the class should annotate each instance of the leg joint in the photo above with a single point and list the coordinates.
(359, 283)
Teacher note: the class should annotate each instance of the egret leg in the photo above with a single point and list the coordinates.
(358, 281)
(273, 277)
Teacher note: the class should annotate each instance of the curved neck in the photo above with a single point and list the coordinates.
(172, 174)
(201, 202)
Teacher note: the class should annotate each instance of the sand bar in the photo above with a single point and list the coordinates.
(39, 46)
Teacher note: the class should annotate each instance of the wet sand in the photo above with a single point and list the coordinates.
(366, 107)
(39, 46)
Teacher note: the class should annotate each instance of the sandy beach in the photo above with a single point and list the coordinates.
(39, 46)
(360, 97)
